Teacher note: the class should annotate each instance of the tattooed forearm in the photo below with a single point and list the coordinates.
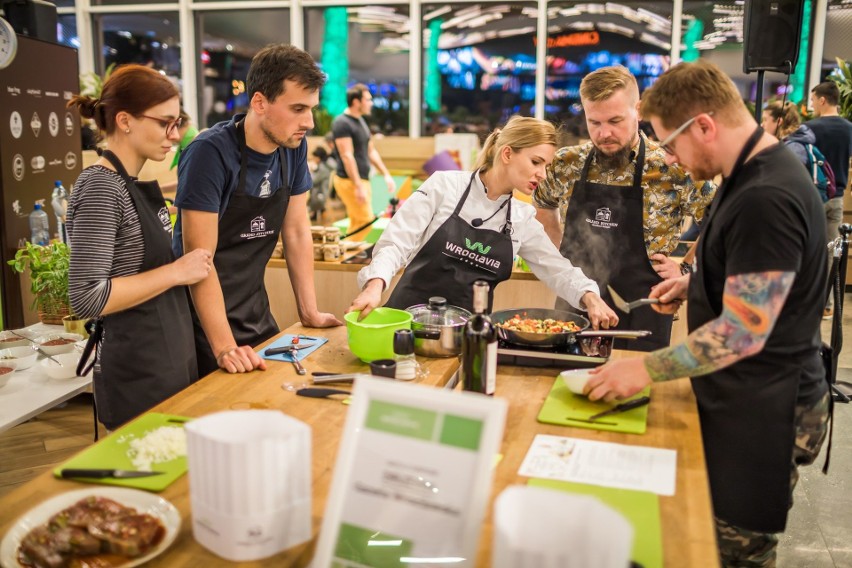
(752, 303)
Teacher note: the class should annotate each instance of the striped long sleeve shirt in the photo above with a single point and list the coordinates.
(105, 238)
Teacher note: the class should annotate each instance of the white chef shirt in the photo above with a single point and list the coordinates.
(428, 208)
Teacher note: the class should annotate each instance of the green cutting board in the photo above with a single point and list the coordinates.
(565, 408)
(111, 453)
(640, 508)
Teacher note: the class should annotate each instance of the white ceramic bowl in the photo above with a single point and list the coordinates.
(9, 339)
(25, 357)
(67, 347)
(68, 369)
(575, 379)
(6, 375)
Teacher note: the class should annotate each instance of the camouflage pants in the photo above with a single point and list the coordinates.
(742, 547)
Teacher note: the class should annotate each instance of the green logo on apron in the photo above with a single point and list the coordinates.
(476, 246)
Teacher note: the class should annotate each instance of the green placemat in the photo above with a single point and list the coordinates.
(640, 508)
(111, 453)
(565, 408)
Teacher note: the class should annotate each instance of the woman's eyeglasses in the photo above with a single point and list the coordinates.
(170, 125)
(666, 144)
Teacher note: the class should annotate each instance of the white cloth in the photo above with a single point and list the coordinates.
(427, 209)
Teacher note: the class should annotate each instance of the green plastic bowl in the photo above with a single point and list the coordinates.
(372, 337)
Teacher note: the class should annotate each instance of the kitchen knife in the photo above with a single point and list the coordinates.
(287, 349)
(320, 392)
(623, 407)
(103, 473)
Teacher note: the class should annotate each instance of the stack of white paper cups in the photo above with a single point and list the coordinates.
(249, 482)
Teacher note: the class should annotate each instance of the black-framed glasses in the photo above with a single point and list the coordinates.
(666, 144)
(170, 125)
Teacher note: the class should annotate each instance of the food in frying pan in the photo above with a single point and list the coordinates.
(96, 531)
(519, 322)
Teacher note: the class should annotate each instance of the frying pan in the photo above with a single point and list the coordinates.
(554, 339)
(539, 339)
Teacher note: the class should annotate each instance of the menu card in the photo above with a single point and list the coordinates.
(412, 477)
(601, 463)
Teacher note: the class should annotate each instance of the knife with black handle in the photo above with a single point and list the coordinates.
(623, 407)
(104, 473)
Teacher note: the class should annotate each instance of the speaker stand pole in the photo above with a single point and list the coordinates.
(758, 99)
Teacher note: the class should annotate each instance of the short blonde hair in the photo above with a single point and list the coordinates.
(688, 89)
(600, 85)
(520, 132)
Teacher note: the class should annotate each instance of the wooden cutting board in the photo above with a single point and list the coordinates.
(565, 408)
(111, 453)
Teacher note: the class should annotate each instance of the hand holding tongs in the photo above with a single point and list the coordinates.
(627, 306)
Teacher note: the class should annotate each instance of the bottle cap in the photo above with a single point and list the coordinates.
(403, 342)
(37, 206)
(57, 183)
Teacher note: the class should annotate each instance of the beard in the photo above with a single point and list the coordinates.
(615, 160)
(289, 143)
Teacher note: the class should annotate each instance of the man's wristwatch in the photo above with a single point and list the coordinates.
(685, 268)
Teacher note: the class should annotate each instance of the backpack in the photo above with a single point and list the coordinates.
(820, 172)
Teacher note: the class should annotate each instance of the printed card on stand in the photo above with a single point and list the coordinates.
(413, 477)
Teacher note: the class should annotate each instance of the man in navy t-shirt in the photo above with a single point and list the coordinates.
(241, 184)
(834, 139)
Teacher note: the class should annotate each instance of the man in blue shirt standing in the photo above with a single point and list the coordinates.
(241, 184)
(834, 139)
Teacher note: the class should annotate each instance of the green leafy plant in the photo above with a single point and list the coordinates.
(91, 84)
(48, 268)
(843, 78)
(322, 121)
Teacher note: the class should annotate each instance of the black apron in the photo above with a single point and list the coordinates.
(248, 232)
(605, 236)
(146, 353)
(746, 410)
(454, 258)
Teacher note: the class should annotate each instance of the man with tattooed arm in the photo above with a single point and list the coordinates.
(755, 304)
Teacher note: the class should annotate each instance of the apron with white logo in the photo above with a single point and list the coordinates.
(604, 235)
(146, 352)
(454, 258)
(248, 232)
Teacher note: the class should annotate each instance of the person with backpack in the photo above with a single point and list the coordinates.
(783, 123)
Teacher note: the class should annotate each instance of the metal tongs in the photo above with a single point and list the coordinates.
(290, 350)
(627, 306)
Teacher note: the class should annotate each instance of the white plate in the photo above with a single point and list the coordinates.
(140, 500)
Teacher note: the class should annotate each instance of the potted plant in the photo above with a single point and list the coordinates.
(48, 271)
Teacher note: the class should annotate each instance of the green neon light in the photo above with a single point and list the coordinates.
(335, 59)
(432, 80)
(694, 33)
(799, 78)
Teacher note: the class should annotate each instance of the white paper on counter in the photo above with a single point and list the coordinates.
(601, 463)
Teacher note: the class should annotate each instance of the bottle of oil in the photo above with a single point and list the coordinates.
(479, 346)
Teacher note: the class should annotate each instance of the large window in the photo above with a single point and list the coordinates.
(584, 37)
(148, 39)
(479, 65)
(66, 30)
(361, 44)
(229, 39)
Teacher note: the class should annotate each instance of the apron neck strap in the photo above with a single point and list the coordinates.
(241, 141)
(116, 163)
(465, 194)
(507, 228)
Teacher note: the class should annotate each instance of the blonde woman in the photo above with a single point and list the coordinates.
(465, 226)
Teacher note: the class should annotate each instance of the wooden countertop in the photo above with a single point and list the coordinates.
(687, 522)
